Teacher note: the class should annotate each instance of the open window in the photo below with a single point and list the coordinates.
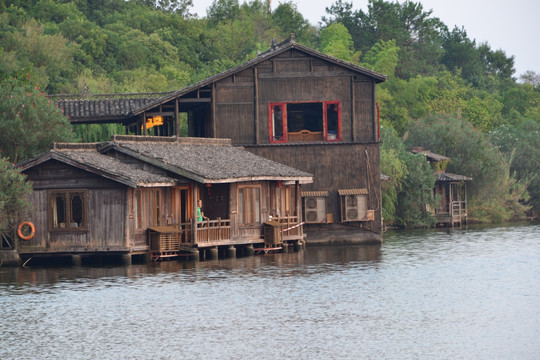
(68, 210)
(305, 121)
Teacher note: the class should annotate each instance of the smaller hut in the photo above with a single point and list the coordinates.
(139, 195)
(450, 190)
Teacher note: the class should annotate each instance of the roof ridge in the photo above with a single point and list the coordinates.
(171, 139)
(75, 146)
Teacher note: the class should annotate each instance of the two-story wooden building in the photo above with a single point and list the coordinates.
(293, 105)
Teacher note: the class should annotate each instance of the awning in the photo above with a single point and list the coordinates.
(343, 192)
(314, 193)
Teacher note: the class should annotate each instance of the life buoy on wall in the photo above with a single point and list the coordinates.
(32, 230)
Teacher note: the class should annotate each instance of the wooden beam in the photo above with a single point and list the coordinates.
(195, 100)
(353, 110)
(177, 119)
(194, 218)
(373, 111)
(256, 101)
(213, 110)
(145, 132)
(303, 75)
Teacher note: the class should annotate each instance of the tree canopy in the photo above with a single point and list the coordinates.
(436, 74)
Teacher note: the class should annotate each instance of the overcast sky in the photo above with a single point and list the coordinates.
(512, 26)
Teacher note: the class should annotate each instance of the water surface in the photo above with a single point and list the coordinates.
(464, 294)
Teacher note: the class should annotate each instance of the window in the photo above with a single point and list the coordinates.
(249, 205)
(304, 122)
(67, 210)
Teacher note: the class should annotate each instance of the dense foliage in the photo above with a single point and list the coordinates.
(13, 192)
(29, 122)
(439, 81)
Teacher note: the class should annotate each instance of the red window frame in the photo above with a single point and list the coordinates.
(271, 125)
(326, 105)
(328, 137)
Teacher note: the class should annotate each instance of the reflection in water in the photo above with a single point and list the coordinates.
(422, 294)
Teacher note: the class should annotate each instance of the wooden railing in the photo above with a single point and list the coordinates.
(213, 231)
(459, 209)
(289, 222)
(185, 236)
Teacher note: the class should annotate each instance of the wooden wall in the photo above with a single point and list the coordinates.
(105, 211)
(334, 166)
(242, 99)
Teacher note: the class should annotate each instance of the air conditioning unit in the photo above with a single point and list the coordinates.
(355, 207)
(315, 209)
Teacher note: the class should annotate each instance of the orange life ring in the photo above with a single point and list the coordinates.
(32, 230)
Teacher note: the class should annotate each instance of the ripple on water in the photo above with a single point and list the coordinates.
(423, 294)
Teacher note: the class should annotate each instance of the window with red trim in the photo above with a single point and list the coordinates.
(304, 121)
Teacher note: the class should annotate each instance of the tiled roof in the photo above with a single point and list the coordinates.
(86, 157)
(78, 110)
(110, 108)
(429, 154)
(205, 160)
(342, 192)
(444, 176)
(199, 159)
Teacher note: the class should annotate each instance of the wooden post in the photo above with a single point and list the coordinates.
(145, 132)
(194, 218)
(177, 118)
(297, 198)
(256, 100)
(353, 110)
(374, 111)
(214, 109)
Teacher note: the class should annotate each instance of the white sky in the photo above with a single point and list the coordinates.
(512, 26)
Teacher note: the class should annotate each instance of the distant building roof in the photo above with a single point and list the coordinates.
(430, 155)
(444, 176)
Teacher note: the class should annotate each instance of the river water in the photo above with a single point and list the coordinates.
(462, 294)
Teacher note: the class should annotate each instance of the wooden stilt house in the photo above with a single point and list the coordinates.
(135, 195)
(291, 104)
(450, 190)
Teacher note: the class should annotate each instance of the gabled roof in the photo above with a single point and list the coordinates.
(430, 155)
(105, 107)
(87, 157)
(274, 51)
(110, 109)
(204, 160)
(201, 160)
(444, 176)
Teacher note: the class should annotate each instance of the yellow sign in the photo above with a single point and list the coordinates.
(154, 121)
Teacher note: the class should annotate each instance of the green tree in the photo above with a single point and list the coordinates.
(493, 194)
(383, 57)
(336, 41)
(415, 196)
(29, 122)
(393, 167)
(288, 20)
(14, 190)
(521, 145)
(415, 31)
